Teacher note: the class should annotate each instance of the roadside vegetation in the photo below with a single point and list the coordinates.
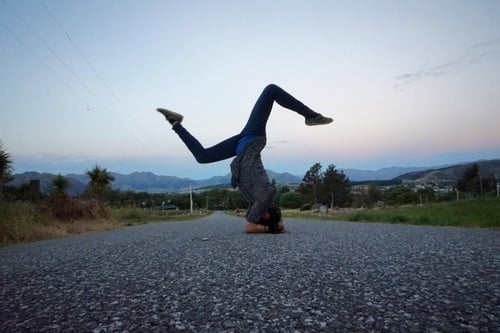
(28, 215)
(471, 213)
(25, 221)
(135, 216)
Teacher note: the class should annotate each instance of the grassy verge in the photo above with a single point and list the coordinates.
(479, 213)
(136, 216)
(27, 222)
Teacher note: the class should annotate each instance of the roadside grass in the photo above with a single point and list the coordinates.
(24, 221)
(136, 216)
(27, 222)
(474, 213)
(20, 222)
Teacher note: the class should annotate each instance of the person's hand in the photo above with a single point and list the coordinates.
(277, 228)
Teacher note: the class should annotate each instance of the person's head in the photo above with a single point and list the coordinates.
(272, 215)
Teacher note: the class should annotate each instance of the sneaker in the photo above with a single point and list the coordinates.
(172, 117)
(318, 120)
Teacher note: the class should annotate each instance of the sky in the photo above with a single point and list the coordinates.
(408, 83)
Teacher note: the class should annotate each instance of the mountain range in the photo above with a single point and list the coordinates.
(449, 175)
(149, 182)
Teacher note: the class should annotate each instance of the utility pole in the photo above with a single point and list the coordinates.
(481, 186)
(191, 198)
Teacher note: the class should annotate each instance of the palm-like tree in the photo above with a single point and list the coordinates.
(60, 184)
(5, 167)
(100, 180)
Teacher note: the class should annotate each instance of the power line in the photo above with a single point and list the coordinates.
(63, 63)
(36, 56)
(46, 44)
(80, 52)
(89, 63)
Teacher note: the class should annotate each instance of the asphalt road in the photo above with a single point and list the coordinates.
(209, 276)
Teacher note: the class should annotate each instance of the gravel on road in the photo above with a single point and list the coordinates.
(209, 276)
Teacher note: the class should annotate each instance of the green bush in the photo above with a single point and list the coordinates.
(422, 220)
(362, 216)
(399, 219)
(291, 200)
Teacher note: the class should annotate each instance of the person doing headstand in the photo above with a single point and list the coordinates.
(247, 170)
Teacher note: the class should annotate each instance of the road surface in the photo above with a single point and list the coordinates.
(209, 276)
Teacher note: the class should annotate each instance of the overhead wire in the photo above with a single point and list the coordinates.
(85, 103)
(48, 67)
(32, 30)
(89, 63)
(86, 59)
(53, 52)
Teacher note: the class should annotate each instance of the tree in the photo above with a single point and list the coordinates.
(374, 193)
(100, 180)
(318, 187)
(489, 184)
(311, 184)
(369, 196)
(426, 194)
(291, 200)
(473, 182)
(60, 184)
(470, 180)
(5, 167)
(336, 187)
(401, 195)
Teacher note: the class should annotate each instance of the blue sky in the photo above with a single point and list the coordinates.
(409, 83)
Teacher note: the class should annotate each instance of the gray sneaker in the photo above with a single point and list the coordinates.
(172, 117)
(318, 120)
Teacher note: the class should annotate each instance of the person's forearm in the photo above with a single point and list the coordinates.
(254, 228)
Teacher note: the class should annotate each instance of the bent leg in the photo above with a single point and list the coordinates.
(256, 124)
(221, 151)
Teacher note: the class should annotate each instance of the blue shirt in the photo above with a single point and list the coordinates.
(243, 142)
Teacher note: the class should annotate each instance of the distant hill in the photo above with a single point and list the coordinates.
(149, 182)
(449, 175)
(76, 185)
(143, 181)
(381, 174)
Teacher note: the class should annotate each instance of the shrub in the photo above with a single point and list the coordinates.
(65, 208)
(291, 200)
(399, 219)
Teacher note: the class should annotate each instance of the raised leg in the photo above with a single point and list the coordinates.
(256, 124)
